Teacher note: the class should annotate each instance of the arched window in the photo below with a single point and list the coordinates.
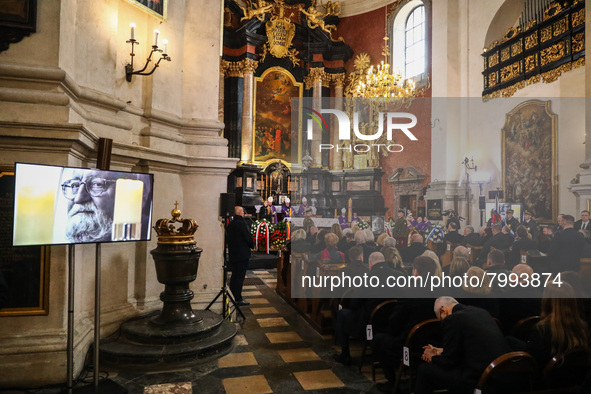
(409, 44)
(414, 59)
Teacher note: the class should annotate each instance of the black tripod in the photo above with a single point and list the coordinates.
(224, 293)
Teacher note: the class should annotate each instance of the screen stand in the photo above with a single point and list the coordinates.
(105, 386)
(70, 345)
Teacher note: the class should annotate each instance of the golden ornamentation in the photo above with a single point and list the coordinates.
(531, 62)
(560, 26)
(169, 234)
(280, 33)
(517, 48)
(492, 79)
(578, 42)
(313, 77)
(237, 69)
(546, 33)
(510, 72)
(338, 79)
(547, 77)
(552, 54)
(578, 18)
(511, 33)
(552, 75)
(333, 8)
(493, 59)
(552, 10)
(316, 19)
(531, 41)
(326, 79)
(259, 11)
(492, 45)
(362, 62)
(530, 24)
(505, 54)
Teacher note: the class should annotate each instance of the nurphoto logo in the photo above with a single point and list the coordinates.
(393, 123)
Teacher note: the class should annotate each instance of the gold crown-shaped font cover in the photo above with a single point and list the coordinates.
(169, 233)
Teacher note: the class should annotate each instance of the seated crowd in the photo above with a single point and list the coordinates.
(478, 317)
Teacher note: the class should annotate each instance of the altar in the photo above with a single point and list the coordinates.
(319, 222)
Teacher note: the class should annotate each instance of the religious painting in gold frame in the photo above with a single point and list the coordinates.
(273, 137)
(25, 269)
(529, 159)
(157, 8)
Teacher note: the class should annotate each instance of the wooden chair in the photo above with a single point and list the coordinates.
(473, 252)
(422, 334)
(568, 369)
(432, 246)
(509, 373)
(585, 264)
(523, 257)
(522, 329)
(448, 255)
(378, 319)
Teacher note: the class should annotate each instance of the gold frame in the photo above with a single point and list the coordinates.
(589, 204)
(545, 105)
(300, 87)
(43, 308)
(150, 11)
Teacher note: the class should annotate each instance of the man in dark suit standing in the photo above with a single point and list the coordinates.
(566, 247)
(583, 223)
(530, 225)
(240, 241)
(510, 220)
(452, 234)
(471, 340)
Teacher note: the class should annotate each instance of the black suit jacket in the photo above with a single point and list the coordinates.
(565, 251)
(239, 240)
(499, 241)
(409, 253)
(579, 223)
(473, 239)
(471, 340)
(519, 245)
(453, 237)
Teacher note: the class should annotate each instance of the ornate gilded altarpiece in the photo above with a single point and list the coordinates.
(273, 137)
(529, 158)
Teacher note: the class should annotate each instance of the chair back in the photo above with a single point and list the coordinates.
(473, 252)
(380, 314)
(567, 369)
(522, 329)
(523, 257)
(509, 373)
(426, 332)
(448, 255)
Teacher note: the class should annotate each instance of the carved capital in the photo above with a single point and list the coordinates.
(338, 80)
(238, 69)
(315, 75)
(326, 79)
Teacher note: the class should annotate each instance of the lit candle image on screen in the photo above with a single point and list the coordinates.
(127, 214)
(35, 205)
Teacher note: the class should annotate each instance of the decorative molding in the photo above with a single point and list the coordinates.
(316, 75)
(338, 79)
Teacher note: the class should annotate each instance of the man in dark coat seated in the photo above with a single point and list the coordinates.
(410, 310)
(452, 234)
(523, 242)
(416, 248)
(498, 241)
(471, 340)
(351, 319)
(471, 238)
(566, 247)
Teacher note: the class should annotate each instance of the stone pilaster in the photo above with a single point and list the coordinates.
(337, 157)
(248, 67)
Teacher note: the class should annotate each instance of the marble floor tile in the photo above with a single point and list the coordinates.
(283, 337)
(272, 322)
(237, 360)
(298, 355)
(264, 311)
(317, 380)
(170, 388)
(256, 384)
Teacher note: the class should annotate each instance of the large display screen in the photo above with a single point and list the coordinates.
(66, 205)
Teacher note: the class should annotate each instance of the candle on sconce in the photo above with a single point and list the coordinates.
(165, 42)
(132, 27)
(156, 33)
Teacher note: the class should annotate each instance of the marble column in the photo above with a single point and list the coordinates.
(337, 157)
(314, 81)
(248, 67)
(222, 76)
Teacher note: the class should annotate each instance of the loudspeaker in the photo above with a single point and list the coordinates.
(227, 204)
(481, 202)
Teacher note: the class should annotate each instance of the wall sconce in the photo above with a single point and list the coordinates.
(129, 71)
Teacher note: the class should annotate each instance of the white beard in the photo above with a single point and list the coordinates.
(87, 224)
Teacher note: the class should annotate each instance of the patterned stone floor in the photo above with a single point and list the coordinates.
(275, 351)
